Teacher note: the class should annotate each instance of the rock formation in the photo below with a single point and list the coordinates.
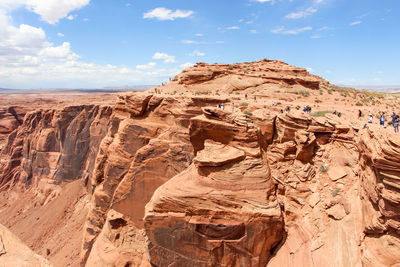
(170, 179)
(15, 253)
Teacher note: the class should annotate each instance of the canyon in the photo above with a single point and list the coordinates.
(218, 167)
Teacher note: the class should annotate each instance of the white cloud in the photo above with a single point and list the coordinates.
(29, 60)
(60, 34)
(147, 66)
(316, 36)
(197, 54)
(189, 42)
(233, 28)
(355, 23)
(186, 65)
(197, 42)
(323, 28)
(162, 13)
(309, 69)
(263, 1)
(377, 79)
(72, 17)
(167, 58)
(282, 30)
(363, 16)
(85, 19)
(199, 34)
(50, 11)
(58, 53)
(253, 31)
(302, 14)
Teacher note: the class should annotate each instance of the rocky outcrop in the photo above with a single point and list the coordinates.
(146, 145)
(14, 253)
(380, 177)
(10, 119)
(222, 210)
(54, 146)
(258, 76)
(171, 180)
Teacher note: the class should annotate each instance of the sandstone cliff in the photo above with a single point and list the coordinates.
(168, 179)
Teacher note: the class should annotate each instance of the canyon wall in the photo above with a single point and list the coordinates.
(172, 180)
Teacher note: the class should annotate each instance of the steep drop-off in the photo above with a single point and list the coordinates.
(168, 179)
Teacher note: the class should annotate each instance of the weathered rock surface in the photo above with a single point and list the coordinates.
(15, 253)
(222, 210)
(244, 77)
(146, 145)
(171, 180)
(379, 174)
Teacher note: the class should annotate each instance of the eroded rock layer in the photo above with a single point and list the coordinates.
(170, 180)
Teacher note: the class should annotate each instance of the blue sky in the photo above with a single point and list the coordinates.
(97, 43)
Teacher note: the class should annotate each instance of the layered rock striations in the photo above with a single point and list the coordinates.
(146, 145)
(222, 210)
(54, 146)
(169, 179)
(251, 77)
(380, 176)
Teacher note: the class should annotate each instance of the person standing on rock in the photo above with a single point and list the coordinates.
(233, 107)
(382, 119)
(370, 118)
(394, 117)
(396, 124)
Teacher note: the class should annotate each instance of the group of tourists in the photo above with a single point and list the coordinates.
(382, 118)
(307, 109)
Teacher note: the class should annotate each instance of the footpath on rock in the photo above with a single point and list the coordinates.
(218, 167)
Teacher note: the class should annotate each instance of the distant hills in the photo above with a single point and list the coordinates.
(381, 88)
(86, 90)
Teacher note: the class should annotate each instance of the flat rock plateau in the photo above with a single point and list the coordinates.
(218, 167)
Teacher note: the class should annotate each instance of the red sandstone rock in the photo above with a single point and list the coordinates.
(258, 189)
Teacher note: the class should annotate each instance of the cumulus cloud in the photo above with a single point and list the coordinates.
(162, 13)
(147, 66)
(167, 58)
(283, 30)
(302, 14)
(197, 53)
(253, 31)
(29, 60)
(59, 34)
(50, 11)
(233, 28)
(58, 53)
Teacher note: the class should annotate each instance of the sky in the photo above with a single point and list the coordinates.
(105, 43)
